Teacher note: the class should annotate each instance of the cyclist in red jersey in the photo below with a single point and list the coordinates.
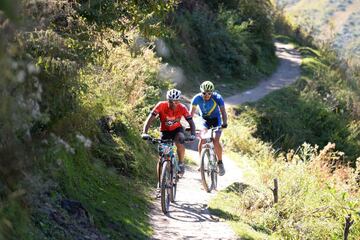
(170, 113)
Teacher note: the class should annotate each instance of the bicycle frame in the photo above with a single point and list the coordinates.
(167, 153)
(209, 141)
(209, 144)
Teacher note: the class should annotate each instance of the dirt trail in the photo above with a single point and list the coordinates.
(189, 217)
(287, 73)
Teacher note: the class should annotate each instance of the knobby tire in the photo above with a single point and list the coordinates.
(174, 177)
(166, 189)
(204, 170)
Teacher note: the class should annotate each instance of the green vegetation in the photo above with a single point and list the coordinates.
(229, 42)
(78, 80)
(73, 97)
(286, 136)
(321, 107)
(316, 193)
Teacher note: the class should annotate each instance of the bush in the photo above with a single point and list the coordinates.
(315, 192)
(84, 75)
(222, 43)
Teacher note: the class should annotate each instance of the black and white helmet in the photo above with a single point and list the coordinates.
(173, 94)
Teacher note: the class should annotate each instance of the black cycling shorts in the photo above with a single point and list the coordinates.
(171, 134)
(211, 122)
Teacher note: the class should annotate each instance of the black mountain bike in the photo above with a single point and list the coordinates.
(168, 169)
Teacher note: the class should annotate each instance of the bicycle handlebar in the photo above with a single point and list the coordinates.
(211, 129)
(216, 128)
(159, 140)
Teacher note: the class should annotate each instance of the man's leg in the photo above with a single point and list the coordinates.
(218, 152)
(179, 142)
(217, 146)
(180, 148)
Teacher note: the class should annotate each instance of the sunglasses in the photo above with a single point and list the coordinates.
(174, 101)
(207, 93)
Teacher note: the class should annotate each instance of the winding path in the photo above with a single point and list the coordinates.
(189, 217)
(287, 73)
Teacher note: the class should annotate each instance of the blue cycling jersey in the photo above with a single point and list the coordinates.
(210, 108)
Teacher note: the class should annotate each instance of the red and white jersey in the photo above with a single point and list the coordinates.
(170, 118)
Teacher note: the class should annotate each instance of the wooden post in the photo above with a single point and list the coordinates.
(348, 223)
(275, 190)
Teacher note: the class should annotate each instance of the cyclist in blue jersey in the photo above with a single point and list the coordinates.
(212, 110)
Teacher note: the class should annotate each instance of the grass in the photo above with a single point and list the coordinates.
(94, 90)
(110, 198)
(13, 212)
(312, 197)
(317, 188)
(319, 108)
(116, 205)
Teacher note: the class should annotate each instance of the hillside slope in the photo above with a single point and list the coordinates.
(328, 20)
(79, 79)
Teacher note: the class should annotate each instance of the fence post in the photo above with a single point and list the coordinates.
(275, 190)
(348, 223)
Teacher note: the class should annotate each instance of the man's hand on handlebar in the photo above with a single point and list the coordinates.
(224, 125)
(192, 137)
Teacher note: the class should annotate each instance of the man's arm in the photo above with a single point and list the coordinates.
(224, 115)
(150, 119)
(193, 105)
(192, 125)
(193, 110)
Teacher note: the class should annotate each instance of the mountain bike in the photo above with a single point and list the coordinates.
(168, 169)
(208, 165)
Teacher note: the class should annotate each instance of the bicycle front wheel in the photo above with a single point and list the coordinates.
(175, 179)
(166, 187)
(213, 174)
(207, 176)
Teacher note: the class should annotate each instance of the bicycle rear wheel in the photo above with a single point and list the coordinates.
(206, 171)
(166, 187)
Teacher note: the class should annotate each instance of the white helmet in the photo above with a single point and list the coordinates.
(173, 94)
